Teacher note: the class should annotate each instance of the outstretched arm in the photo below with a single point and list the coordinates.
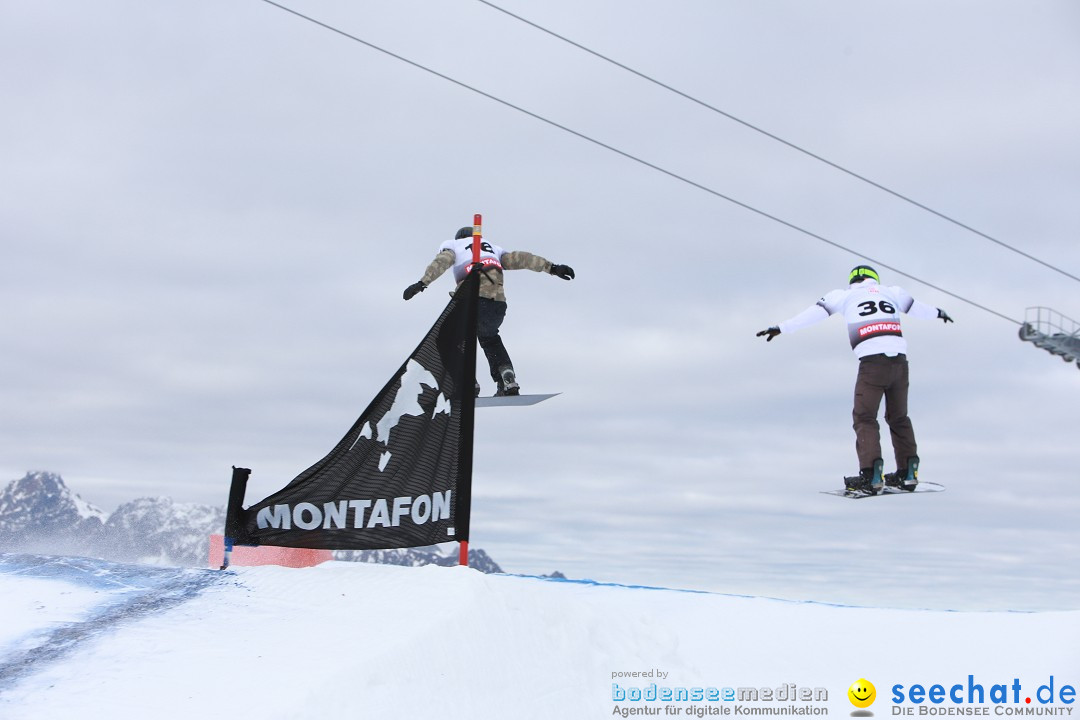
(521, 260)
(809, 316)
(442, 262)
(437, 267)
(928, 312)
(914, 308)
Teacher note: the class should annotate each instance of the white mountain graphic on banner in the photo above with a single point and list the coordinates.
(406, 402)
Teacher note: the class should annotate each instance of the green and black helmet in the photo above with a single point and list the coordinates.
(861, 272)
(464, 232)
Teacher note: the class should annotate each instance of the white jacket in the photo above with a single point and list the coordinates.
(872, 312)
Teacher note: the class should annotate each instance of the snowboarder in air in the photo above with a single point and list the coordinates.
(457, 253)
(872, 312)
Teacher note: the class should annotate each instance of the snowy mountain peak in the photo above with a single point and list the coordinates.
(40, 501)
(149, 516)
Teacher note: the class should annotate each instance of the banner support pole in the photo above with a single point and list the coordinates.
(233, 528)
(469, 405)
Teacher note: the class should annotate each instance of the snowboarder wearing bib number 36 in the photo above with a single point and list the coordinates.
(457, 253)
(872, 312)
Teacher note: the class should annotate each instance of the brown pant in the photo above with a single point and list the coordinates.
(882, 375)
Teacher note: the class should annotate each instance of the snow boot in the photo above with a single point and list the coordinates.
(905, 478)
(869, 480)
(911, 474)
(507, 381)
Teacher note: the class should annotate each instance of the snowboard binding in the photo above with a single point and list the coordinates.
(869, 481)
(507, 382)
(906, 479)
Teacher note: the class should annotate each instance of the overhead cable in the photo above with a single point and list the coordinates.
(636, 159)
(781, 140)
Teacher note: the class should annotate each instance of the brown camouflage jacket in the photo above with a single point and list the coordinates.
(491, 279)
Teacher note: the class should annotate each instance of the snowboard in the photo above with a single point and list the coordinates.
(922, 487)
(512, 400)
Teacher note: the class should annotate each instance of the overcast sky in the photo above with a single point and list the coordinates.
(208, 212)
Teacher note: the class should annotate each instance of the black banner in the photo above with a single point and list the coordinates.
(401, 476)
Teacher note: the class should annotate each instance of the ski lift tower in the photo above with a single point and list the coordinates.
(1053, 332)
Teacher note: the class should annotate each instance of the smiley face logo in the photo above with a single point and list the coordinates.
(862, 693)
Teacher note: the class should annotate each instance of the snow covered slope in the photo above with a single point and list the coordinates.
(350, 640)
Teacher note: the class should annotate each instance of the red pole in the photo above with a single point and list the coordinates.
(476, 239)
(463, 552)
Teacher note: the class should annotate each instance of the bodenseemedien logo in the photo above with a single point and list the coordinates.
(700, 701)
(862, 694)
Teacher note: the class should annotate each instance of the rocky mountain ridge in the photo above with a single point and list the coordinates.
(40, 514)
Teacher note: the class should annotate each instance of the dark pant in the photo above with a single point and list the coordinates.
(490, 315)
(882, 375)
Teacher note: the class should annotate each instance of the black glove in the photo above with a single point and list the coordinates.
(564, 271)
(944, 316)
(771, 332)
(416, 287)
